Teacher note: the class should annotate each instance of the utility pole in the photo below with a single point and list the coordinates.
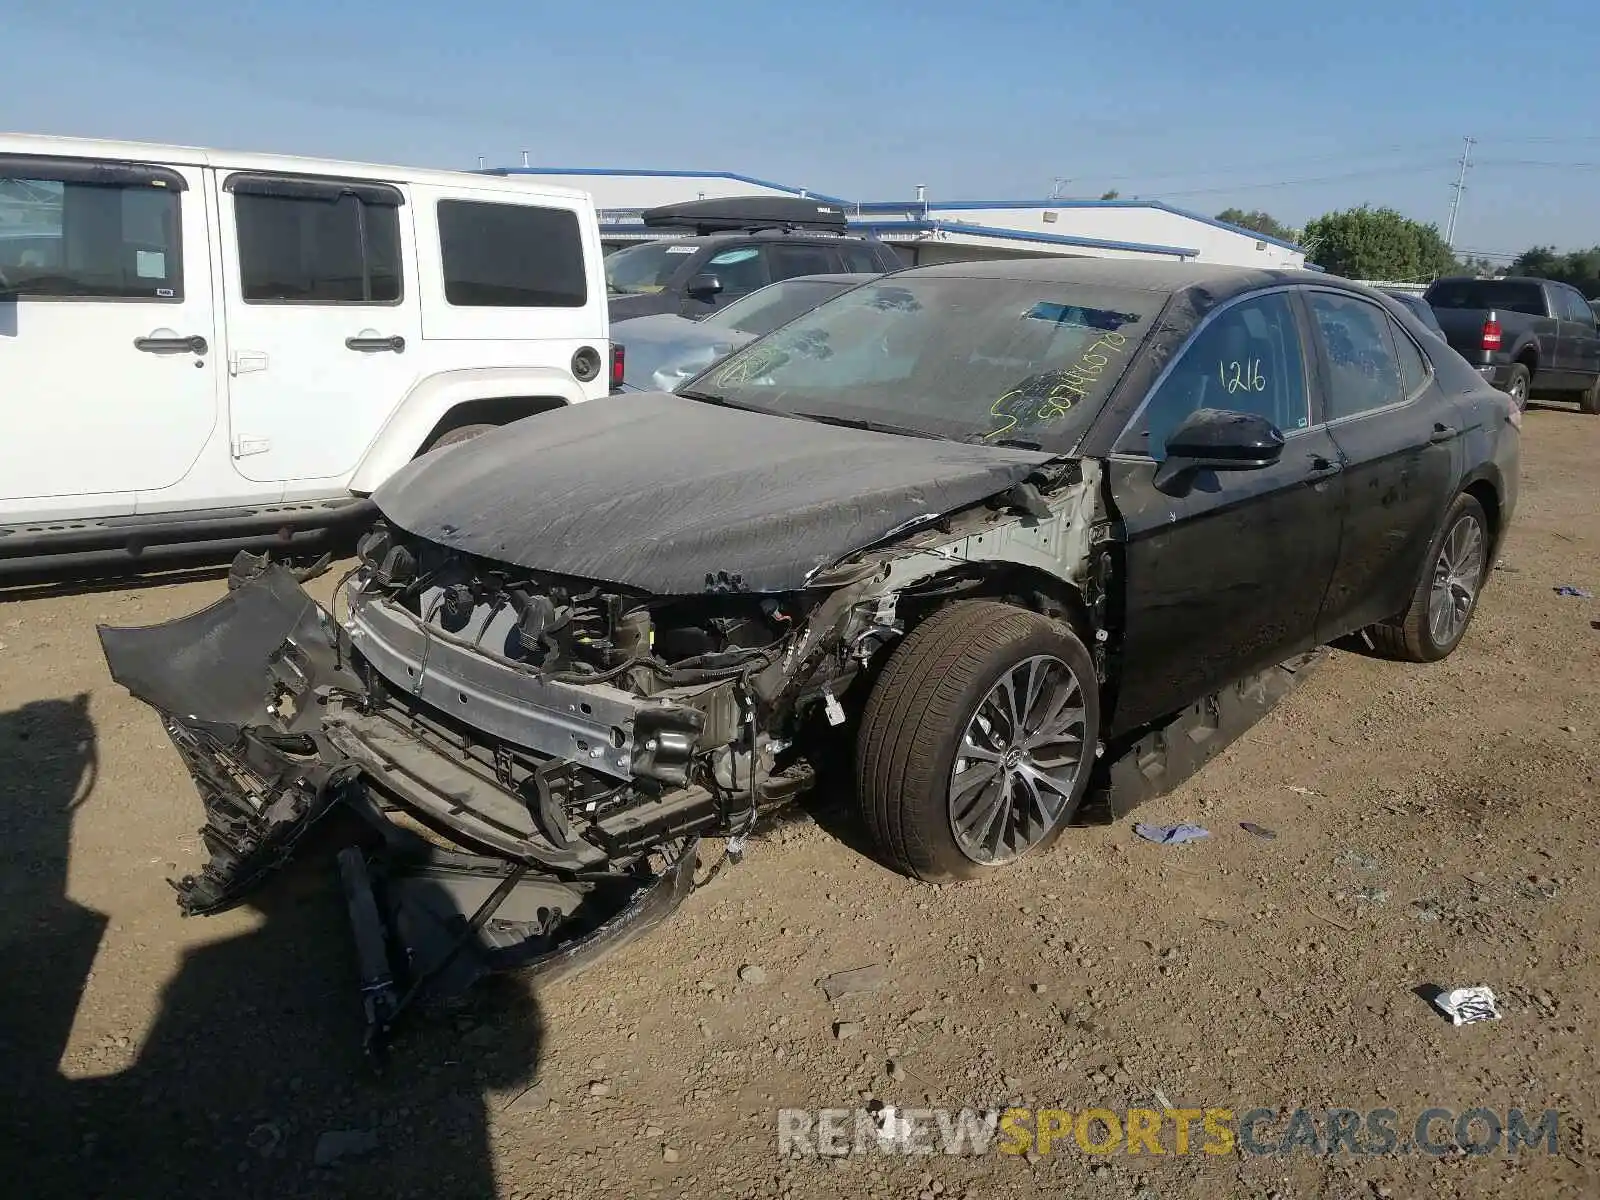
(1459, 186)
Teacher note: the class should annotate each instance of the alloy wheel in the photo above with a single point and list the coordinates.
(1019, 761)
(1457, 575)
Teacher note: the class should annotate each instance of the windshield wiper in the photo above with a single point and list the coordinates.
(869, 426)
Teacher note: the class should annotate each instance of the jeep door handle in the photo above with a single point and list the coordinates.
(397, 344)
(1442, 433)
(170, 345)
(1322, 466)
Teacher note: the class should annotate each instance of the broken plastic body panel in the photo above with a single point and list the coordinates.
(245, 689)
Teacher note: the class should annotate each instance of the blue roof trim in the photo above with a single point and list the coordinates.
(994, 231)
(980, 205)
(654, 174)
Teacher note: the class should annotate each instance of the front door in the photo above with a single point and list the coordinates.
(1224, 576)
(1400, 437)
(107, 338)
(741, 269)
(323, 320)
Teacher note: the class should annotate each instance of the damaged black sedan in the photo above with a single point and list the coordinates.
(984, 526)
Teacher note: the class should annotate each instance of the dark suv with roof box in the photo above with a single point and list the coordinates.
(732, 247)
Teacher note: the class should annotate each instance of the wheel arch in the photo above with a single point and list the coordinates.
(454, 398)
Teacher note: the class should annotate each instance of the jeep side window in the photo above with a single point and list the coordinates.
(317, 250)
(511, 256)
(67, 238)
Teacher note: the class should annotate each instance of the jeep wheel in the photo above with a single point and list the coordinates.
(1447, 594)
(977, 742)
(461, 433)
(1518, 384)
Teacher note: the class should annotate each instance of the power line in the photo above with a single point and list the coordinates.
(1377, 173)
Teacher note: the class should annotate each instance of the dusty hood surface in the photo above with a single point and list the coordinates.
(657, 492)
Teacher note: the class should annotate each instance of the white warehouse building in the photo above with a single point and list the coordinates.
(930, 231)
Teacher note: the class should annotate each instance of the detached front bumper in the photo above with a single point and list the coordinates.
(265, 701)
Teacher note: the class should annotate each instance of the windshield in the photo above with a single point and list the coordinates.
(976, 360)
(645, 268)
(776, 304)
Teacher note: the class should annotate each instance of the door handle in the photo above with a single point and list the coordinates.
(1442, 433)
(1322, 466)
(397, 344)
(170, 345)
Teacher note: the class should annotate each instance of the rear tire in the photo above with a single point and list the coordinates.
(937, 693)
(461, 433)
(1589, 402)
(1446, 595)
(1518, 384)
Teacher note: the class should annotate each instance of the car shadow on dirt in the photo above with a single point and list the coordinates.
(250, 1080)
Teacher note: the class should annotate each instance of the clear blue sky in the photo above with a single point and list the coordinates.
(1206, 105)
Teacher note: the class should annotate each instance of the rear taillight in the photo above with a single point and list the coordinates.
(1492, 334)
(618, 360)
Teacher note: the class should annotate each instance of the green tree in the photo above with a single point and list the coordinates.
(1259, 222)
(1580, 268)
(1113, 194)
(1378, 243)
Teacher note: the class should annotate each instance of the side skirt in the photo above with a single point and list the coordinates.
(1151, 763)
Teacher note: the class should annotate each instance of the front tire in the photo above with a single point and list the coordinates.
(1447, 594)
(977, 742)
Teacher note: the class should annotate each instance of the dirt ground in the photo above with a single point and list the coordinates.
(1432, 828)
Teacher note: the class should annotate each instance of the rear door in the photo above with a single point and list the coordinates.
(322, 318)
(1226, 576)
(1580, 345)
(107, 334)
(1400, 438)
(790, 259)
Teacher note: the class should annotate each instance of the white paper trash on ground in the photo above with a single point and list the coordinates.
(1464, 1005)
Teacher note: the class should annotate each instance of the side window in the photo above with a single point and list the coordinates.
(323, 246)
(741, 269)
(1361, 360)
(859, 258)
(789, 261)
(71, 238)
(511, 256)
(1246, 359)
(1577, 308)
(1414, 367)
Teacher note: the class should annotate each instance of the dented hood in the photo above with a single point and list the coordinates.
(665, 494)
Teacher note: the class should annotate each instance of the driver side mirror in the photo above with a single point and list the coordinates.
(704, 286)
(1215, 439)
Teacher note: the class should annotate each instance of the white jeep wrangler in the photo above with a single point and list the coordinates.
(217, 348)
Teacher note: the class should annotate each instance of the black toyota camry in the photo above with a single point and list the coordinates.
(982, 529)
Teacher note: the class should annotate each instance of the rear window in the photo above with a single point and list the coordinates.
(511, 256)
(1488, 293)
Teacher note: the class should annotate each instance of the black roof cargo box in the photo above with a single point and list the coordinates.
(746, 214)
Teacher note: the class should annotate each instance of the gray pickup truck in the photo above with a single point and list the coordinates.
(1523, 335)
